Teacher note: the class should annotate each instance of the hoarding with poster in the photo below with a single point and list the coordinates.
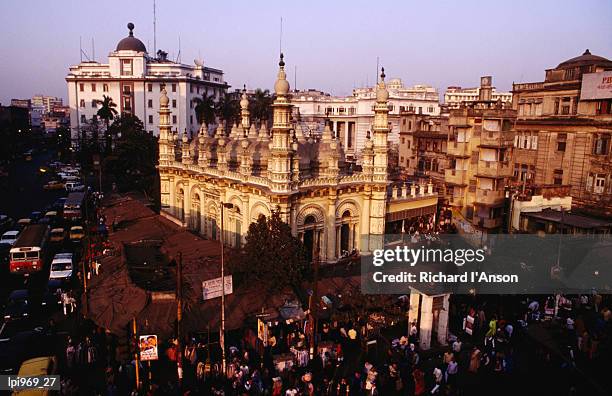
(148, 347)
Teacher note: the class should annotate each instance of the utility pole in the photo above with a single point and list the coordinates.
(222, 333)
(179, 317)
(136, 361)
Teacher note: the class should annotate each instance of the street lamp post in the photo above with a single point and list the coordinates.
(222, 334)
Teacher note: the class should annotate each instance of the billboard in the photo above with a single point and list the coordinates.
(148, 347)
(212, 288)
(596, 86)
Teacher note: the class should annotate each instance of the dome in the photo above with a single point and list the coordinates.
(163, 99)
(585, 59)
(281, 86)
(244, 100)
(381, 92)
(131, 43)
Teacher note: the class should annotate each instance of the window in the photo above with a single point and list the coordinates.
(558, 177)
(191, 88)
(174, 103)
(174, 119)
(82, 103)
(198, 89)
(600, 182)
(557, 101)
(569, 74)
(561, 141)
(105, 87)
(402, 159)
(149, 87)
(94, 104)
(173, 87)
(127, 89)
(430, 109)
(81, 87)
(191, 119)
(126, 67)
(404, 139)
(420, 110)
(83, 119)
(565, 106)
(150, 103)
(127, 103)
(150, 119)
(601, 144)
(603, 107)
(93, 87)
(575, 105)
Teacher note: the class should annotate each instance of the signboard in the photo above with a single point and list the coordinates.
(212, 288)
(262, 331)
(148, 347)
(596, 86)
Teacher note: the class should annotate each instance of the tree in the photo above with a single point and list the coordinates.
(205, 109)
(260, 105)
(271, 256)
(107, 112)
(134, 159)
(227, 109)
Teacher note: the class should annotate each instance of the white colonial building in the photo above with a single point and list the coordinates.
(134, 80)
(455, 96)
(351, 117)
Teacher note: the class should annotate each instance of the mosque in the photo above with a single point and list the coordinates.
(333, 205)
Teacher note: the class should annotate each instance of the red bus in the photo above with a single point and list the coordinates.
(29, 251)
(73, 207)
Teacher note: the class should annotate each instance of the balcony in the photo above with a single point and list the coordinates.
(496, 139)
(495, 169)
(489, 197)
(487, 223)
(458, 149)
(455, 176)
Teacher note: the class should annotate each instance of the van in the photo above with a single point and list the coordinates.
(74, 186)
(45, 365)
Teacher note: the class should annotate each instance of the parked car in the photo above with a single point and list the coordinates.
(61, 266)
(17, 306)
(53, 185)
(50, 217)
(76, 233)
(22, 223)
(35, 216)
(57, 235)
(9, 237)
(5, 222)
(74, 186)
(58, 205)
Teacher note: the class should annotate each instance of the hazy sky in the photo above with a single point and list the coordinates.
(333, 43)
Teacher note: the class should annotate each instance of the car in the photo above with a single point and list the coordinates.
(61, 266)
(54, 185)
(17, 306)
(69, 178)
(58, 205)
(22, 223)
(21, 344)
(5, 222)
(50, 217)
(76, 233)
(9, 237)
(35, 216)
(74, 186)
(57, 235)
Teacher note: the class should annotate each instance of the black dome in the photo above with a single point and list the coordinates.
(131, 43)
(585, 59)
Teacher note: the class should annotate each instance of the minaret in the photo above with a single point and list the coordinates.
(165, 133)
(186, 149)
(281, 151)
(244, 110)
(381, 131)
(367, 162)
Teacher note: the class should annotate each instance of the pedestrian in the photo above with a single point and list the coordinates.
(474, 361)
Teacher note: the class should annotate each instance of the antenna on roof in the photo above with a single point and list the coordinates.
(93, 49)
(83, 53)
(295, 77)
(154, 31)
(178, 56)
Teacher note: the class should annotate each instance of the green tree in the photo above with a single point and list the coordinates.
(271, 256)
(107, 112)
(227, 109)
(260, 105)
(205, 109)
(133, 163)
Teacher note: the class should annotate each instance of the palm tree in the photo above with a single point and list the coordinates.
(227, 109)
(260, 105)
(205, 109)
(107, 112)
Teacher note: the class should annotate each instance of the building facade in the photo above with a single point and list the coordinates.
(331, 207)
(480, 148)
(49, 103)
(564, 131)
(455, 96)
(351, 117)
(134, 80)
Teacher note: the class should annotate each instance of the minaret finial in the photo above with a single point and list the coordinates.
(282, 62)
(130, 26)
(382, 74)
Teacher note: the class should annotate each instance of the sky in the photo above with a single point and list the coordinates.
(333, 44)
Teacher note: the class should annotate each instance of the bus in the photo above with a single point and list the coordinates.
(73, 207)
(29, 251)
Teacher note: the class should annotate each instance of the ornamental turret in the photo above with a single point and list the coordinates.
(166, 152)
(244, 110)
(381, 131)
